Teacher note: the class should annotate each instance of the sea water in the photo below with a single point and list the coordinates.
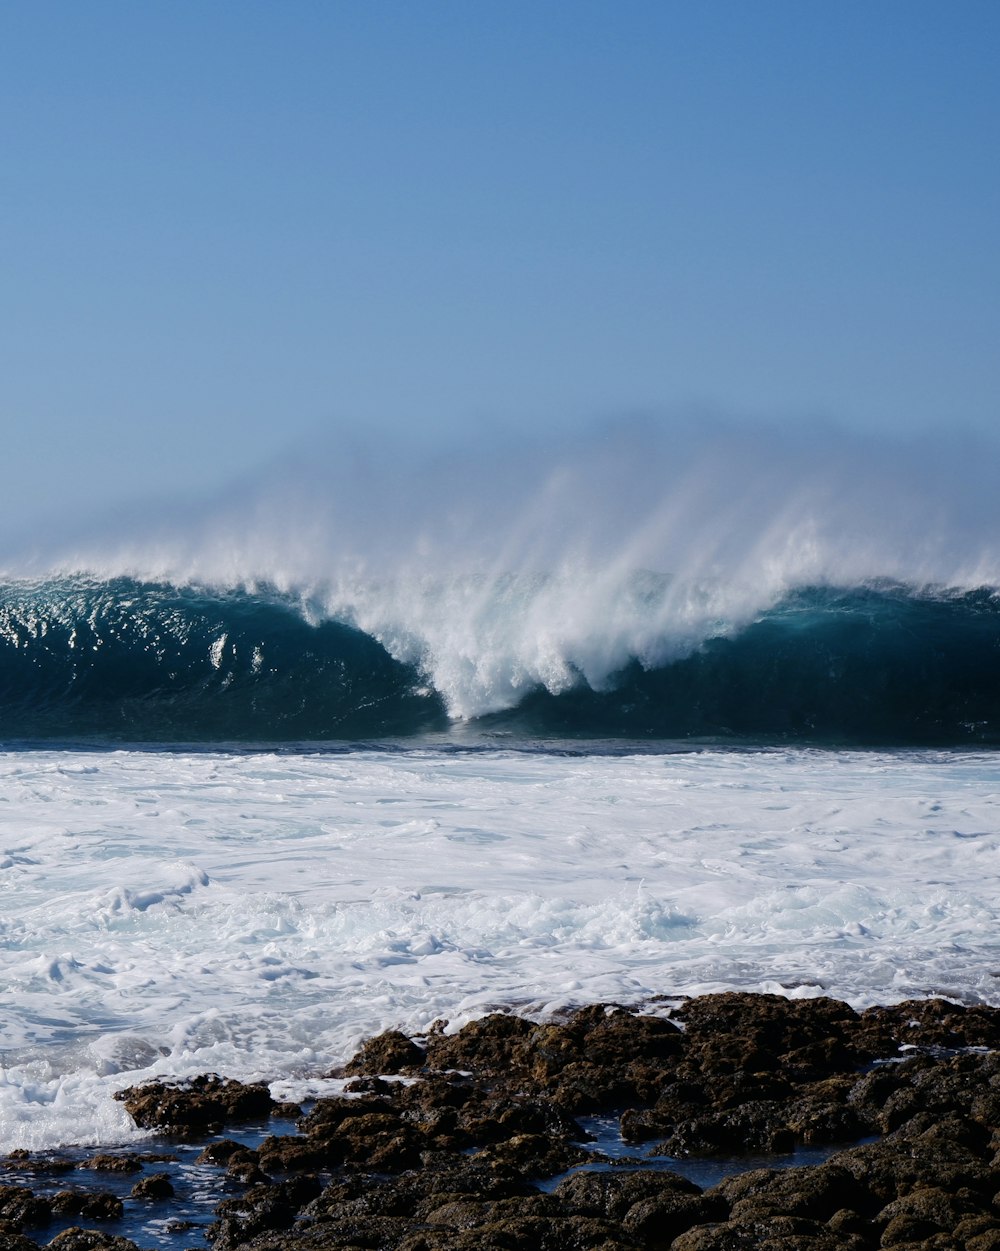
(375, 742)
(258, 913)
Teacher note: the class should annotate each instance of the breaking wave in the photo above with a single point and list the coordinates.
(126, 660)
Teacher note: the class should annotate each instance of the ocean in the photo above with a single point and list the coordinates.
(618, 727)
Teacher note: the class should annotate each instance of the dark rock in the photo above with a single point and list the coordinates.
(929, 1023)
(109, 1163)
(155, 1186)
(612, 1194)
(757, 1126)
(533, 1155)
(450, 1162)
(762, 1032)
(978, 1233)
(22, 1208)
(929, 1206)
(76, 1239)
(223, 1151)
(261, 1208)
(816, 1192)
(652, 1206)
(779, 1233)
(195, 1106)
(391, 1052)
(246, 1169)
(21, 1161)
(12, 1240)
(493, 1046)
(102, 1205)
(95, 1205)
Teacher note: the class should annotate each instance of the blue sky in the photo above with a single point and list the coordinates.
(230, 229)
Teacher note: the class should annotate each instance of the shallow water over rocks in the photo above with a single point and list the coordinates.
(560, 1135)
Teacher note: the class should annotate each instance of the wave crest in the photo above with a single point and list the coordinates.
(527, 655)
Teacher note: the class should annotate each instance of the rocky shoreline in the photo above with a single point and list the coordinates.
(474, 1140)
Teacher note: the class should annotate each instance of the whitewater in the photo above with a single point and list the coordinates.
(361, 746)
(258, 914)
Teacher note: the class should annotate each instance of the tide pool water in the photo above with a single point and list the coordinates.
(258, 913)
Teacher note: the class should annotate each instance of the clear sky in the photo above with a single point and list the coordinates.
(234, 227)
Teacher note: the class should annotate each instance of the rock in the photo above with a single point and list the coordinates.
(809, 1037)
(929, 1023)
(197, 1106)
(815, 1192)
(76, 1239)
(452, 1161)
(930, 1207)
(780, 1233)
(614, 1194)
(95, 1205)
(21, 1161)
(22, 1208)
(493, 1046)
(533, 1155)
(12, 1240)
(113, 1163)
(223, 1151)
(155, 1186)
(390, 1052)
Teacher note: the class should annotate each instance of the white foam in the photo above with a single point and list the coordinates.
(258, 915)
(506, 569)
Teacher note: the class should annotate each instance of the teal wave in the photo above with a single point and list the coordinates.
(129, 661)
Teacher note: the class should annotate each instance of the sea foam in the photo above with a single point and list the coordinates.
(170, 913)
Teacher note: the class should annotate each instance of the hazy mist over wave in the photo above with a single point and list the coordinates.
(697, 498)
(513, 566)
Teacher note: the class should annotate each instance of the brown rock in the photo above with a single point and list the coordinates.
(77, 1239)
(109, 1163)
(193, 1107)
(22, 1208)
(155, 1186)
(391, 1052)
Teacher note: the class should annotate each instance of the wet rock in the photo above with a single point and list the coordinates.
(495, 1119)
(22, 1161)
(390, 1052)
(291, 1153)
(103, 1206)
(978, 1233)
(930, 1207)
(246, 1169)
(816, 1192)
(155, 1186)
(468, 1213)
(493, 1046)
(77, 1239)
(265, 1207)
(95, 1205)
(901, 1163)
(197, 1106)
(452, 1160)
(612, 1194)
(779, 1233)
(22, 1208)
(223, 1151)
(12, 1240)
(767, 1032)
(928, 1023)
(533, 1156)
(759, 1126)
(652, 1206)
(847, 1221)
(109, 1163)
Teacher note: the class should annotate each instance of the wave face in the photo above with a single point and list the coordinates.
(125, 660)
